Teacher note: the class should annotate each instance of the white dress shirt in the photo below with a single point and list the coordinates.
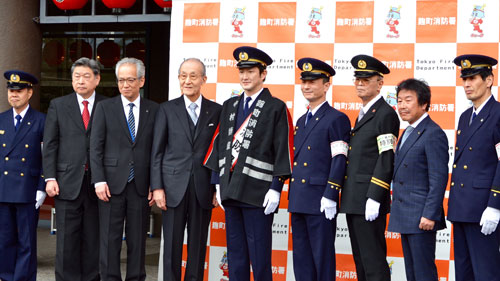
(253, 97)
(188, 102)
(23, 113)
(91, 100)
(135, 110)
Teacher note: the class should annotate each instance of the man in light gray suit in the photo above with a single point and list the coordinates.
(181, 185)
(419, 181)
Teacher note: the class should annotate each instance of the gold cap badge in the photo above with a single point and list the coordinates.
(307, 66)
(243, 56)
(15, 78)
(362, 64)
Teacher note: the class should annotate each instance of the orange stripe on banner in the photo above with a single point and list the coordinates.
(211, 147)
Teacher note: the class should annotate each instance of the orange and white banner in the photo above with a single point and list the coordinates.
(413, 38)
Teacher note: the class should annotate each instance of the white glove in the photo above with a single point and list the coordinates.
(329, 206)
(371, 209)
(271, 201)
(489, 220)
(40, 197)
(217, 196)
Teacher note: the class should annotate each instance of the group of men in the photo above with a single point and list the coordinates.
(106, 161)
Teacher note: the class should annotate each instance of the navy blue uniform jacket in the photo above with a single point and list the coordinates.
(21, 157)
(475, 180)
(316, 174)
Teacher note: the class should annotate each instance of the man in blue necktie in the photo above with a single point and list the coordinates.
(474, 203)
(252, 156)
(120, 150)
(320, 153)
(419, 181)
(21, 180)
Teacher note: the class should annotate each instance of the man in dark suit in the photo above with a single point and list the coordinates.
(21, 179)
(365, 195)
(67, 174)
(183, 130)
(320, 152)
(419, 181)
(252, 154)
(474, 204)
(120, 151)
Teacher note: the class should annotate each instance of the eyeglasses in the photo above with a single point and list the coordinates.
(85, 77)
(129, 81)
(191, 76)
(363, 81)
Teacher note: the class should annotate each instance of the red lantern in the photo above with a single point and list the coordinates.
(136, 49)
(164, 3)
(53, 53)
(70, 4)
(108, 53)
(79, 49)
(118, 4)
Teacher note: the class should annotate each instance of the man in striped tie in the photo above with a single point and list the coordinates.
(120, 149)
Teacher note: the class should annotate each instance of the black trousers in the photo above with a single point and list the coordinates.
(190, 213)
(133, 209)
(77, 240)
(368, 247)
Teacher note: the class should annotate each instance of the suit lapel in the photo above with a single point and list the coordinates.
(180, 111)
(24, 128)
(311, 124)
(300, 135)
(97, 99)
(120, 113)
(73, 111)
(205, 112)
(368, 115)
(469, 131)
(144, 115)
(410, 141)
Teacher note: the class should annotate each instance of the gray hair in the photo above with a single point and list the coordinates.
(90, 63)
(139, 65)
(203, 68)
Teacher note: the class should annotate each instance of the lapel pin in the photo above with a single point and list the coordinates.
(29, 123)
(374, 110)
(482, 119)
(458, 132)
(147, 111)
(2, 132)
(317, 118)
(418, 132)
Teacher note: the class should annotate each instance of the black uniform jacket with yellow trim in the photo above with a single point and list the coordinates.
(316, 173)
(265, 154)
(21, 157)
(475, 180)
(369, 172)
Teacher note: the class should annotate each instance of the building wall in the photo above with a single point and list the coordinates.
(20, 43)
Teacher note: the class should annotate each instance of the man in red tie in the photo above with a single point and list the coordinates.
(67, 173)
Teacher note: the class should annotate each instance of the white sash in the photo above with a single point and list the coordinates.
(237, 141)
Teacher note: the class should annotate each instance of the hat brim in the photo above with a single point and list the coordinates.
(248, 64)
(365, 74)
(308, 76)
(473, 71)
(16, 86)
